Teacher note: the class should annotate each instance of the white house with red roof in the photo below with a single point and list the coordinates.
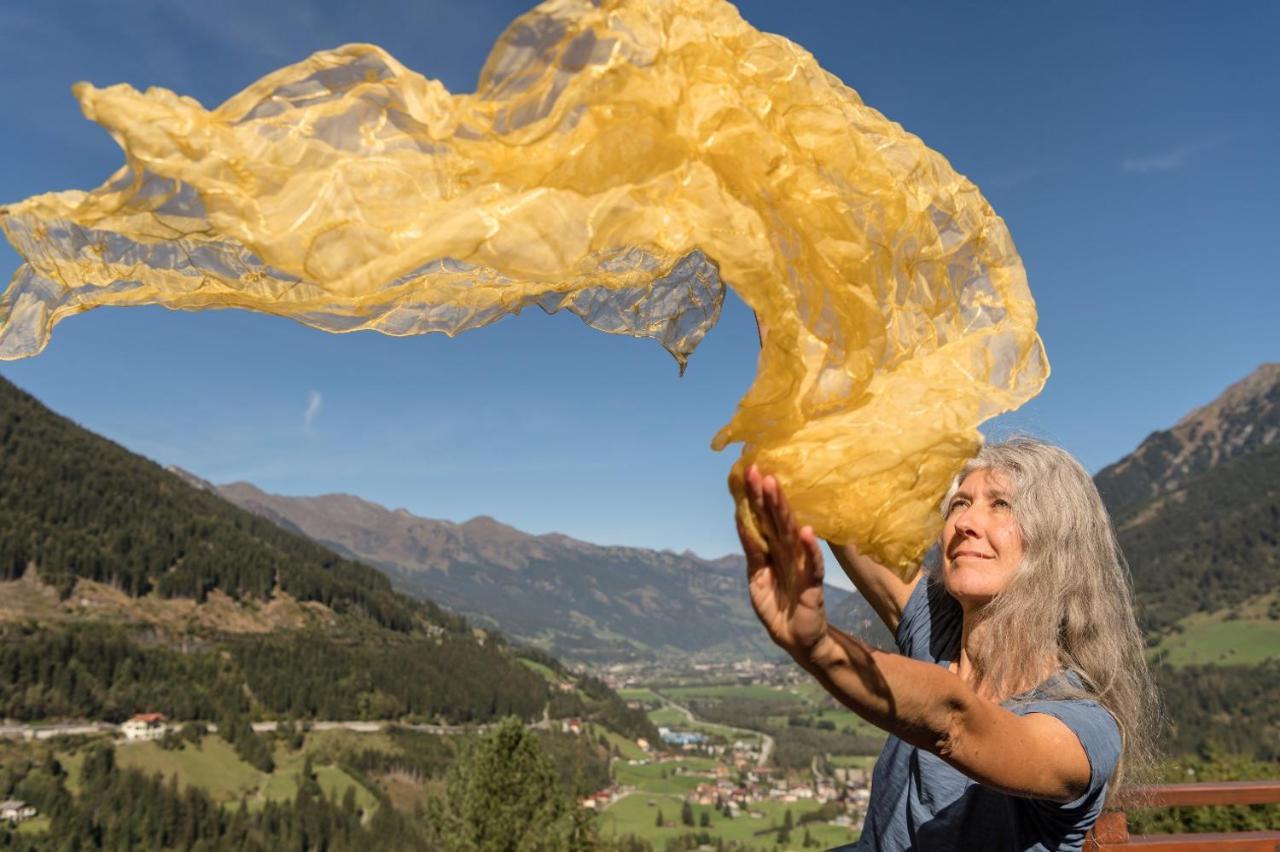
(145, 726)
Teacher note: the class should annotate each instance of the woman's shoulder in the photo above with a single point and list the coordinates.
(1092, 724)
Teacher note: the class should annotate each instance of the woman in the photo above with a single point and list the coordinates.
(1020, 697)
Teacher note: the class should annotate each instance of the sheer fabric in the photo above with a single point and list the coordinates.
(622, 160)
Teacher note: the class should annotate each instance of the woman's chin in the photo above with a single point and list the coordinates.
(970, 592)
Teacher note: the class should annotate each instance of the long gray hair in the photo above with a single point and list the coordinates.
(1069, 605)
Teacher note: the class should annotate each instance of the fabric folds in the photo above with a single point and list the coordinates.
(621, 160)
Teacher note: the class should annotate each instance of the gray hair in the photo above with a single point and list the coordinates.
(1069, 605)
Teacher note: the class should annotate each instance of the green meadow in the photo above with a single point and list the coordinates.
(1215, 639)
(638, 814)
(729, 692)
(644, 696)
(215, 768)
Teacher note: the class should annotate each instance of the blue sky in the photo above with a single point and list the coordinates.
(1130, 147)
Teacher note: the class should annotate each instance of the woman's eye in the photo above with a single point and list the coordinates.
(956, 504)
(1001, 504)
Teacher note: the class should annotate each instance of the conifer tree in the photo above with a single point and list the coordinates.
(503, 796)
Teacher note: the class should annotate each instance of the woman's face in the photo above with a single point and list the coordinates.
(981, 544)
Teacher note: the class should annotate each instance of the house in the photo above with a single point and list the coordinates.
(145, 726)
(14, 810)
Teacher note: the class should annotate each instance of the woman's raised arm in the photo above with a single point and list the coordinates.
(884, 590)
(921, 703)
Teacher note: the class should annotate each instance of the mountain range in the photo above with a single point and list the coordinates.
(598, 603)
(582, 601)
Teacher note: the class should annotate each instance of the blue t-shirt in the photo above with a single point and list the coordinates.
(920, 802)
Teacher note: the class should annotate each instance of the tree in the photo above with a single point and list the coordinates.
(660, 822)
(705, 820)
(503, 796)
(686, 813)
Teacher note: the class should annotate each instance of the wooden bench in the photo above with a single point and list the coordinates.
(1111, 834)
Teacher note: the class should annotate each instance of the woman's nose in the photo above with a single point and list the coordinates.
(966, 523)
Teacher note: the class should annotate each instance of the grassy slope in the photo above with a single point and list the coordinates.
(634, 815)
(215, 768)
(1214, 639)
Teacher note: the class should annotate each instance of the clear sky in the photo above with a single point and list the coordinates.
(1131, 147)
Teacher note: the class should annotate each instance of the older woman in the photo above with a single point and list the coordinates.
(1020, 695)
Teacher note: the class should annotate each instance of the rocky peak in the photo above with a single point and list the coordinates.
(1243, 418)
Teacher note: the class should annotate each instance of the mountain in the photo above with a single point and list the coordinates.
(1244, 418)
(582, 601)
(124, 589)
(1194, 506)
(1197, 513)
(1197, 506)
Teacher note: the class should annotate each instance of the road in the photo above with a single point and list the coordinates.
(44, 732)
(766, 745)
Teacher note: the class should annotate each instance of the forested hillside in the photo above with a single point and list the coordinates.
(78, 506)
(1197, 512)
(94, 520)
(1212, 544)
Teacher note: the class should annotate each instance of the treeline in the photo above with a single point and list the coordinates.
(104, 672)
(1209, 767)
(1223, 709)
(603, 706)
(451, 678)
(79, 506)
(503, 791)
(124, 809)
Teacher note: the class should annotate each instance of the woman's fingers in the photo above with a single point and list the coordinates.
(786, 537)
(817, 565)
(756, 556)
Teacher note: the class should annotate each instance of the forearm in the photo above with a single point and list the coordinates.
(918, 702)
(883, 589)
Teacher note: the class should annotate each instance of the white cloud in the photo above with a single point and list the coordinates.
(1169, 161)
(313, 408)
(1176, 158)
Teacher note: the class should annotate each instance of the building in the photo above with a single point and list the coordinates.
(681, 738)
(145, 726)
(14, 810)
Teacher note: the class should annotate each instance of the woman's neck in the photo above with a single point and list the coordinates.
(972, 634)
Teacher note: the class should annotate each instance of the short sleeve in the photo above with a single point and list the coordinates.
(1099, 735)
(931, 624)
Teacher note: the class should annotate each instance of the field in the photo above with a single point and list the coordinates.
(644, 696)
(638, 814)
(1215, 639)
(839, 717)
(759, 692)
(547, 674)
(627, 748)
(215, 768)
(668, 777)
(669, 717)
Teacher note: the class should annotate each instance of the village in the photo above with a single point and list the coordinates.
(699, 774)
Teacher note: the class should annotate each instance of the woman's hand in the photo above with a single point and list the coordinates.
(785, 580)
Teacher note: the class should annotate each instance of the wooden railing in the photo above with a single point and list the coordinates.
(1111, 834)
